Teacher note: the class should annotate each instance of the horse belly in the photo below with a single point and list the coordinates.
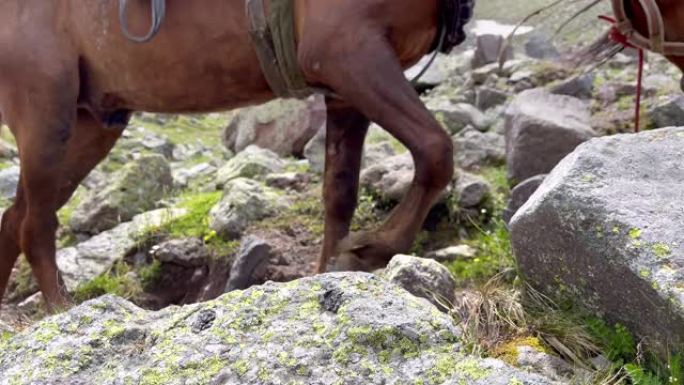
(202, 60)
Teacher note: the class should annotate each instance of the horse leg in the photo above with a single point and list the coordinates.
(345, 132)
(9, 238)
(366, 72)
(42, 114)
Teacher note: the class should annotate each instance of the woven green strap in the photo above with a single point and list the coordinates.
(281, 20)
(274, 40)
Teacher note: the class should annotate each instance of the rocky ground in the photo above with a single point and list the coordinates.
(192, 210)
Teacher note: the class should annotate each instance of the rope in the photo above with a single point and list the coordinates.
(617, 36)
(158, 14)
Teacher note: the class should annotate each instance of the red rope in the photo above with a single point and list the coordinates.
(620, 38)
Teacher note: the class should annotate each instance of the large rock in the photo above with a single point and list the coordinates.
(488, 49)
(244, 202)
(541, 129)
(456, 116)
(283, 125)
(520, 194)
(314, 151)
(7, 150)
(133, 190)
(254, 162)
(607, 228)
(539, 46)
(425, 278)
(474, 149)
(87, 260)
(352, 329)
(390, 179)
(253, 254)
(668, 112)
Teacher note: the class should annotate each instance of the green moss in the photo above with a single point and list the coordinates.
(116, 281)
(24, 284)
(306, 212)
(508, 352)
(494, 254)
(194, 224)
(150, 274)
(661, 250)
(240, 367)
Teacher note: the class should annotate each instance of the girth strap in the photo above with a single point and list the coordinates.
(274, 39)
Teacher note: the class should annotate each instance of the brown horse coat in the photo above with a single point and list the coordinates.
(69, 80)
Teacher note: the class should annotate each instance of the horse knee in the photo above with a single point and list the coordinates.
(435, 161)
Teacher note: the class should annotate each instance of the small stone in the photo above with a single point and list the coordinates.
(423, 278)
(452, 253)
(253, 253)
(204, 321)
(189, 252)
(253, 162)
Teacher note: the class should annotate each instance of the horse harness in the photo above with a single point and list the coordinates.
(655, 42)
(273, 37)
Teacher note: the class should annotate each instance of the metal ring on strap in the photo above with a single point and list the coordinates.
(158, 14)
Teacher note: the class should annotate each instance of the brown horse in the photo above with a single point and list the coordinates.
(69, 81)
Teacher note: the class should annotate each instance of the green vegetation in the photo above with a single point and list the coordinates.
(503, 312)
(118, 281)
(204, 129)
(194, 224)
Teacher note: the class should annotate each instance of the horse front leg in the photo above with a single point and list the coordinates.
(364, 70)
(41, 111)
(345, 133)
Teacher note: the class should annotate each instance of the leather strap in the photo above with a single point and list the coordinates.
(656, 29)
(274, 40)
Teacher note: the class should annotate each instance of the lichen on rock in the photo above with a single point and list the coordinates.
(344, 328)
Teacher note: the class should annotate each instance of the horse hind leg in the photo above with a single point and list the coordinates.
(367, 73)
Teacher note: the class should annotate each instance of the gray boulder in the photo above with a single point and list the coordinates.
(520, 194)
(607, 228)
(452, 253)
(283, 126)
(668, 112)
(487, 50)
(9, 178)
(254, 162)
(253, 254)
(189, 252)
(314, 151)
(244, 202)
(487, 98)
(133, 190)
(541, 129)
(87, 260)
(471, 190)
(539, 46)
(423, 278)
(474, 149)
(581, 87)
(391, 179)
(183, 177)
(456, 116)
(7, 150)
(352, 329)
